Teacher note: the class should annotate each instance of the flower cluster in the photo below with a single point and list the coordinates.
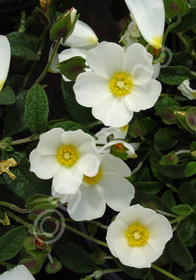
(120, 158)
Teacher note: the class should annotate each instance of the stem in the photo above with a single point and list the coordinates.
(182, 152)
(98, 224)
(22, 27)
(13, 207)
(24, 140)
(45, 71)
(111, 270)
(171, 187)
(141, 163)
(165, 213)
(99, 242)
(20, 221)
(166, 273)
(170, 27)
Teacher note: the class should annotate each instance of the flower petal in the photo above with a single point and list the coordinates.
(89, 164)
(44, 166)
(113, 165)
(87, 204)
(50, 141)
(106, 59)
(5, 57)
(113, 112)
(118, 192)
(143, 97)
(77, 138)
(19, 272)
(91, 89)
(82, 36)
(150, 18)
(67, 180)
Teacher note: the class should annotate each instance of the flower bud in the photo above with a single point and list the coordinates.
(64, 25)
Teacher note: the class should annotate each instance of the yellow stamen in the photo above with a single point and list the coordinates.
(121, 84)
(93, 180)
(67, 155)
(137, 235)
(157, 42)
(44, 3)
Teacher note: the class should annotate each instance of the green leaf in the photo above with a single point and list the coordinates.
(187, 228)
(79, 113)
(131, 271)
(34, 266)
(72, 67)
(182, 209)
(179, 252)
(154, 163)
(188, 21)
(165, 139)
(190, 169)
(187, 193)
(73, 257)
(53, 267)
(174, 171)
(36, 109)
(66, 125)
(40, 17)
(11, 243)
(151, 187)
(169, 159)
(7, 96)
(175, 7)
(14, 120)
(23, 45)
(174, 75)
(169, 198)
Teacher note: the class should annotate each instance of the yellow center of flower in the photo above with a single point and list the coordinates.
(137, 235)
(67, 155)
(93, 180)
(157, 42)
(121, 84)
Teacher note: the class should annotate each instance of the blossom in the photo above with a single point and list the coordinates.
(82, 36)
(69, 53)
(108, 186)
(131, 35)
(5, 56)
(186, 90)
(119, 83)
(19, 272)
(150, 18)
(113, 132)
(138, 236)
(65, 156)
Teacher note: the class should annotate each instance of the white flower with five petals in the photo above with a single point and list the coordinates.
(65, 156)
(109, 186)
(118, 84)
(138, 236)
(5, 56)
(19, 272)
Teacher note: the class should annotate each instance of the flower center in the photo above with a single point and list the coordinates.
(137, 235)
(67, 155)
(93, 180)
(121, 84)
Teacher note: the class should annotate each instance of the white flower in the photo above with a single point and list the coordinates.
(138, 236)
(65, 156)
(19, 272)
(108, 186)
(55, 61)
(118, 84)
(150, 18)
(82, 36)
(157, 69)
(131, 35)
(186, 90)
(5, 56)
(69, 53)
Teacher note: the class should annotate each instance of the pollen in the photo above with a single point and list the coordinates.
(67, 155)
(121, 84)
(157, 42)
(93, 180)
(137, 235)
